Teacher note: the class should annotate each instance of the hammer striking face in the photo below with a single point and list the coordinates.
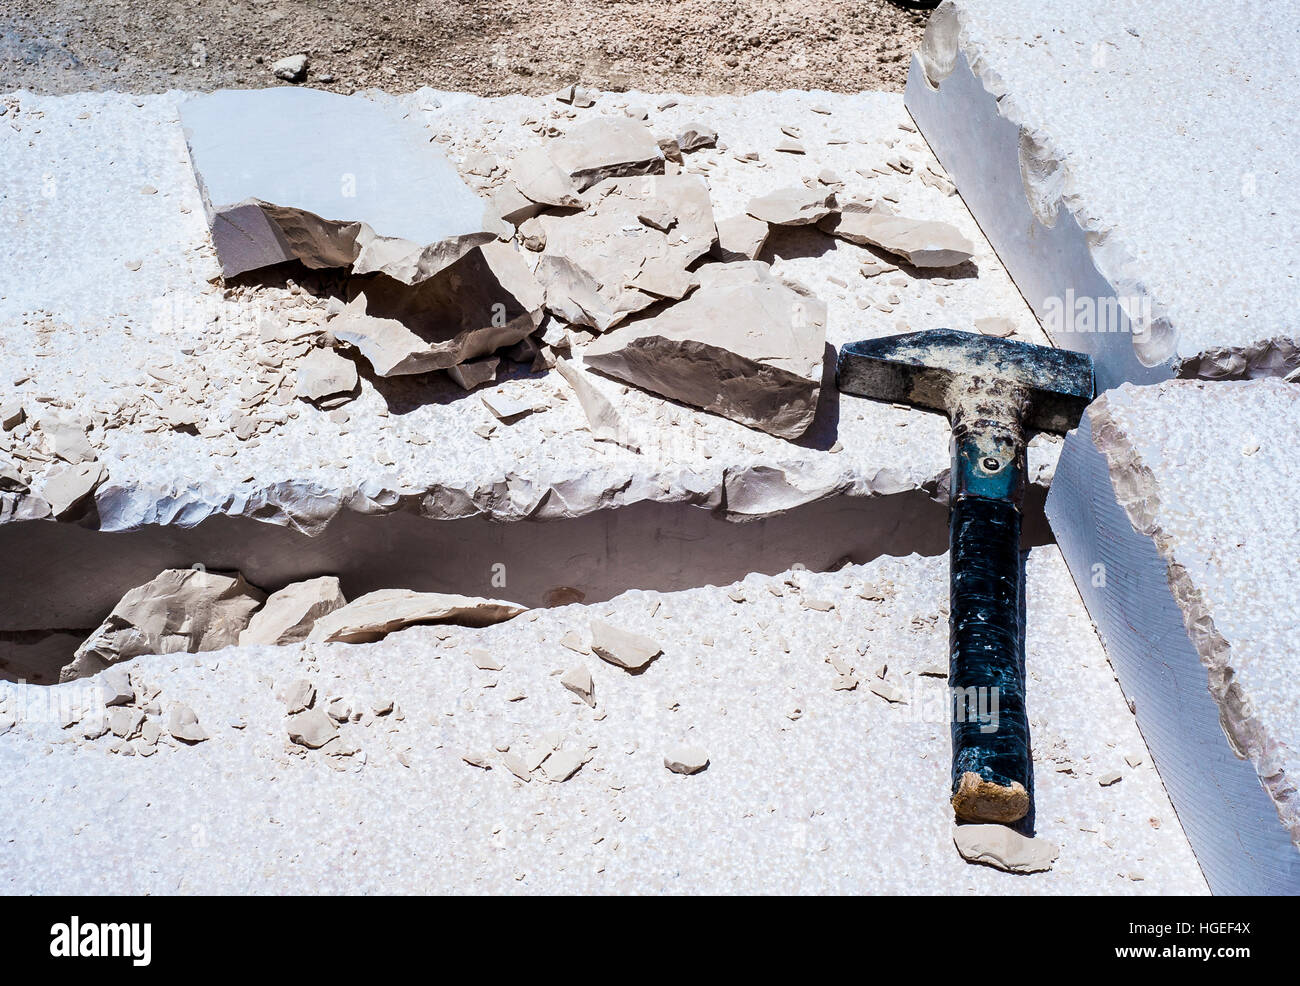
(992, 390)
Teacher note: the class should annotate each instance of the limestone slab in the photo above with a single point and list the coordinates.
(1035, 109)
(331, 180)
(790, 801)
(1173, 506)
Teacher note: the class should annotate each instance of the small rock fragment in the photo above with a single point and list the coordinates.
(622, 648)
(65, 488)
(299, 694)
(697, 136)
(474, 373)
(741, 238)
(744, 345)
(1004, 848)
(793, 206)
(115, 687)
(1109, 778)
(312, 729)
(562, 765)
(184, 724)
(504, 407)
(578, 680)
(327, 379)
(292, 68)
(686, 759)
(922, 243)
(603, 419)
(998, 327)
(483, 660)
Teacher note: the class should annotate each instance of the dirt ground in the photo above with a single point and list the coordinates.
(484, 46)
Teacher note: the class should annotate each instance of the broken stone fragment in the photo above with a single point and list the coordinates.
(292, 68)
(512, 205)
(578, 680)
(622, 648)
(1004, 848)
(474, 373)
(184, 724)
(406, 212)
(327, 379)
(64, 488)
(11, 414)
(290, 613)
(606, 147)
(486, 300)
(124, 722)
(664, 280)
(540, 180)
(299, 694)
(504, 407)
(921, 242)
(590, 259)
(182, 610)
(686, 759)
(697, 136)
(377, 614)
(115, 687)
(67, 438)
(745, 345)
(741, 238)
(563, 764)
(998, 326)
(532, 235)
(603, 419)
(312, 729)
(797, 205)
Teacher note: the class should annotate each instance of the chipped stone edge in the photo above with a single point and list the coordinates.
(950, 50)
(737, 494)
(1138, 494)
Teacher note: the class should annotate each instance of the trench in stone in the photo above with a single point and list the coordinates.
(72, 576)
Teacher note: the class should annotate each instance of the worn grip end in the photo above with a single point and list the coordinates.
(978, 800)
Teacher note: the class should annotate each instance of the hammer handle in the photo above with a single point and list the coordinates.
(990, 728)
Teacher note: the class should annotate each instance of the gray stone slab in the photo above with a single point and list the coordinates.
(289, 173)
(810, 788)
(1174, 507)
(1129, 164)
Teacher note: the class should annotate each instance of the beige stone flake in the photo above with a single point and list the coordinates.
(290, 613)
(744, 345)
(622, 648)
(377, 614)
(180, 611)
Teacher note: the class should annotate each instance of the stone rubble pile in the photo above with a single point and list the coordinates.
(601, 223)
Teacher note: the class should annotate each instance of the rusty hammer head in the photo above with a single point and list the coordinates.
(992, 390)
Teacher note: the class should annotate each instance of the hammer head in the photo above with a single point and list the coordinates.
(920, 367)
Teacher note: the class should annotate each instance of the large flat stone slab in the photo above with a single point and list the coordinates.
(333, 181)
(1174, 506)
(1128, 164)
(112, 308)
(811, 787)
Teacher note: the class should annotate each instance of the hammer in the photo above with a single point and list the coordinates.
(993, 391)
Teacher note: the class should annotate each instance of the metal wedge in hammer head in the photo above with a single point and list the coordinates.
(993, 391)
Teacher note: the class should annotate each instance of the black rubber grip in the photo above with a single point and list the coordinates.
(990, 729)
